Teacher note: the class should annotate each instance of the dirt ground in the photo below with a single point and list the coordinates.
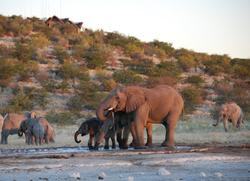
(203, 153)
(201, 162)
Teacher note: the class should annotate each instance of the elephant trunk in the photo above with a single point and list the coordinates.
(100, 113)
(76, 134)
(20, 133)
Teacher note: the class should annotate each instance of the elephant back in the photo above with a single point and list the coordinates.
(13, 121)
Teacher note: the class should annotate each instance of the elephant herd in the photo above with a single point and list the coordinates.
(131, 109)
(36, 129)
(126, 110)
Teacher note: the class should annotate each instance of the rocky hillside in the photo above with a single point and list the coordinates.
(63, 72)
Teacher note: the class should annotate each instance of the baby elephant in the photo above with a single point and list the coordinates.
(33, 130)
(93, 127)
(230, 112)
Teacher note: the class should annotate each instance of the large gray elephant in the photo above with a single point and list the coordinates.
(161, 104)
(33, 130)
(230, 112)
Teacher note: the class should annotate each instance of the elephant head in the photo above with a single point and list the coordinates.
(83, 130)
(126, 99)
(22, 129)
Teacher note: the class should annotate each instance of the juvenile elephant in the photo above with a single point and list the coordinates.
(161, 104)
(11, 125)
(230, 112)
(93, 128)
(122, 124)
(32, 129)
(48, 130)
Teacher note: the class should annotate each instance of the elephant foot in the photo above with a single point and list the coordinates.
(132, 144)
(164, 144)
(170, 148)
(149, 144)
(124, 147)
(106, 147)
(91, 147)
(113, 146)
(95, 148)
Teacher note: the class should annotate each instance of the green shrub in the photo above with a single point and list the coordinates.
(75, 103)
(96, 56)
(195, 79)
(170, 69)
(24, 51)
(161, 47)
(154, 81)
(7, 68)
(126, 77)
(192, 97)
(20, 102)
(61, 53)
(68, 70)
(62, 118)
(39, 41)
(218, 64)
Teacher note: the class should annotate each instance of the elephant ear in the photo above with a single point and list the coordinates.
(135, 98)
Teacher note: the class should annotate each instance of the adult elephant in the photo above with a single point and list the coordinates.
(161, 105)
(11, 125)
(230, 112)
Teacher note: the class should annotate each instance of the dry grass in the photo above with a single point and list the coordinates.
(196, 130)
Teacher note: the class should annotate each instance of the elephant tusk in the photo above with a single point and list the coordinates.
(110, 109)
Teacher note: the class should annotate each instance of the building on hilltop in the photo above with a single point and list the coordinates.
(55, 20)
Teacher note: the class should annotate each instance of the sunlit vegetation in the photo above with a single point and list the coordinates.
(67, 57)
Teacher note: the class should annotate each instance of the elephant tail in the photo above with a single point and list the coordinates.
(182, 114)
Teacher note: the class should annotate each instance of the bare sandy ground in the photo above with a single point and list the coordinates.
(203, 153)
(196, 163)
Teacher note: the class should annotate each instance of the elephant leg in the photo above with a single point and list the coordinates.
(165, 142)
(90, 142)
(172, 121)
(46, 138)
(4, 136)
(106, 145)
(225, 125)
(126, 131)
(139, 128)
(40, 140)
(217, 122)
(133, 132)
(36, 140)
(149, 129)
(113, 141)
(119, 137)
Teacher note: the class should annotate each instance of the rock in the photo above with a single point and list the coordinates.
(130, 178)
(75, 175)
(163, 171)
(102, 175)
(218, 174)
(203, 174)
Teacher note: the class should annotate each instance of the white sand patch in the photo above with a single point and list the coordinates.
(192, 159)
(105, 164)
(163, 172)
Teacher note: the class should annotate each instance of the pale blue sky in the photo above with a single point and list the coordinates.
(212, 26)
